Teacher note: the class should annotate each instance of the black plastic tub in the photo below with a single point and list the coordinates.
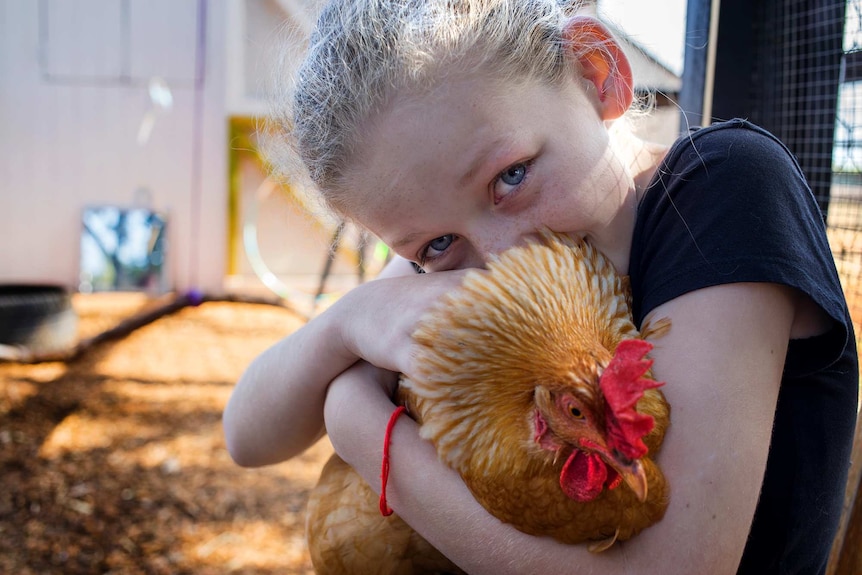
(39, 318)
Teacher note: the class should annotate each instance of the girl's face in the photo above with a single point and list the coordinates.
(477, 165)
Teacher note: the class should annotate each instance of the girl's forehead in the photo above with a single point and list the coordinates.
(439, 128)
(484, 100)
(464, 115)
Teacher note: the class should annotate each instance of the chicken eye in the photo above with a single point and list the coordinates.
(576, 413)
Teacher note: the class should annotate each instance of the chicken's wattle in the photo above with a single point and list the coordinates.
(585, 474)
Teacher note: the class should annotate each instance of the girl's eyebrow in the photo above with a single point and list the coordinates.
(479, 160)
(408, 239)
(495, 148)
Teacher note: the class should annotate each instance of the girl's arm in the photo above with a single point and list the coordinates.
(722, 363)
(276, 409)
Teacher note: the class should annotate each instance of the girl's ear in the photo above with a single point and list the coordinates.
(603, 63)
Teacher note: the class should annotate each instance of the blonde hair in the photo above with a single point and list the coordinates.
(364, 52)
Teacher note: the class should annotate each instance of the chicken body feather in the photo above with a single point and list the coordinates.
(348, 535)
(508, 386)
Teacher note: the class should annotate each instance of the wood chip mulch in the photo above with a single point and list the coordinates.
(115, 462)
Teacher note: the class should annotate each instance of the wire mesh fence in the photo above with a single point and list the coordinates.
(797, 59)
(795, 68)
(844, 220)
(807, 89)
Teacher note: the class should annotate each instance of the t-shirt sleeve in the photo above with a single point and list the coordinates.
(730, 204)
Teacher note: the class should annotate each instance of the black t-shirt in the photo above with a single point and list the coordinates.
(730, 204)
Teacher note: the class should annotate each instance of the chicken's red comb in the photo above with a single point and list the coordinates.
(623, 384)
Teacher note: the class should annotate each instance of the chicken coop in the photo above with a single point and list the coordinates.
(795, 68)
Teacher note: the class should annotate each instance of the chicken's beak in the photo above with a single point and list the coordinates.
(635, 477)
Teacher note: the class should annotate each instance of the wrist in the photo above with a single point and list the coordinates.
(334, 331)
(355, 415)
(341, 320)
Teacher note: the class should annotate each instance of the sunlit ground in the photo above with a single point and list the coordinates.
(115, 463)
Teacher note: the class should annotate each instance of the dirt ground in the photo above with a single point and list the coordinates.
(116, 463)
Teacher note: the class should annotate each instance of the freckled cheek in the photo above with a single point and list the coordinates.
(561, 212)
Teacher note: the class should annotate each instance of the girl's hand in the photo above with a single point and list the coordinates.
(379, 318)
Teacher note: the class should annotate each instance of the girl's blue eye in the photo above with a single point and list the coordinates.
(442, 243)
(514, 175)
(436, 247)
(510, 180)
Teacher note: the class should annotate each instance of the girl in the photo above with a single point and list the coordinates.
(455, 129)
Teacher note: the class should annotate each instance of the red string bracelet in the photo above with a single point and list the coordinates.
(384, 471)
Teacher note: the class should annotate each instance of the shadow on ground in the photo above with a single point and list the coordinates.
(115, 462)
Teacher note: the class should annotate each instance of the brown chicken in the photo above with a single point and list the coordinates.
(532, 383)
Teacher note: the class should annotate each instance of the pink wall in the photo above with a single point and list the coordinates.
(73, 91)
